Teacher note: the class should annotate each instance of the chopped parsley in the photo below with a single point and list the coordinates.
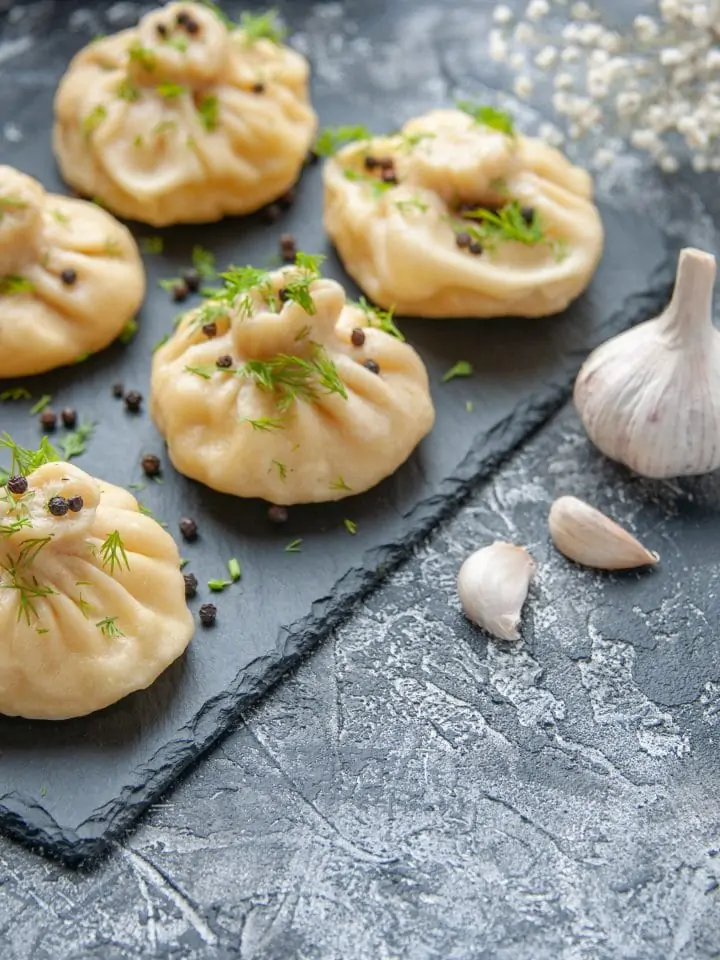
(461, 369)
(488, 116)
(331, 139)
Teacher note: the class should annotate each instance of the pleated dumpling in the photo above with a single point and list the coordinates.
(92, 601)
(184, 118)
(71, 277)
(459, 216)
(280, 389)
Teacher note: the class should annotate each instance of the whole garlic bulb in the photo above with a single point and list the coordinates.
(493, 586)
(650, 397)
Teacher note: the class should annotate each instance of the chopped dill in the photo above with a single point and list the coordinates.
(177, 43)
(350, 526)
(461, 369)
(165, 126)
(488, 116)
(93, 120)
(331, 139)
(109, 628)
(204, 262)
(143, 56)
(294, 546)
(128, 91)
(60, 217)
(10, 203)
(234, 569)
(13, 283)
(266, 424)
(340, 484)
(171, 90)
(75, 443)
(113, 553)
(382, 319)
(161, 342)
(27, 587)
(44, 401)
(152, 245)
(412, 203)
(24, 461)
(15, 393)
(379, 187)
(262, 26)
(128, 331)
(209, 112)
(281, 469)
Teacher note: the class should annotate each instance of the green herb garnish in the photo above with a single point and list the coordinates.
(128, 331)
(15, 393)
(109, 628)
(488, 116)
(331, 139)
(177, 43)
(204, 262)
(217, 586)
(13, 283)
(171, 90)
(44, 401)
(382, 319)
(469, 406)
(128, 91)
(281, 469)
(461, 369)
(165, 126)
(161, 342)
(413, 203)
(27, 587)
(25, 461)
(294, 546)
(152, 245)
(113, 553)
(93, 120)
(60, 217)
(379, 187)
(75, 443)
(262, 26)
(340, 484)
(142, 55)
(350, 526)
(234, 569)
(209, 112)
(205, 371)
(10, 203)
(266, 424)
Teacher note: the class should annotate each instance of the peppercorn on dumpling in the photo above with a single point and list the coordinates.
(280, 389)
(92, 601)
(459, 216)
(183, 118)
(71, 277)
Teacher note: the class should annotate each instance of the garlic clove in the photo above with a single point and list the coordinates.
(493, 585)
(650, 397)
(585, 535)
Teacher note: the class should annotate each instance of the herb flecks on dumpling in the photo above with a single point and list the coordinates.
(71, 277)
(185, 118)
(278, 388)
(92, 601)
(460, 215)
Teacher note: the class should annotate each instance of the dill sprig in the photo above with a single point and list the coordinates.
(113, 553)
(25, 461)
(8, 530)
(75, 443)
(208, 111)
(382, 319)
(281, 469)
(292, 378)
(340, 484)
(266, 424)
(109, 628)
(488, 116)
(14, 283)
(29, 549)
(263, 26)
(27, 587)
(44, 401)
(331, 139)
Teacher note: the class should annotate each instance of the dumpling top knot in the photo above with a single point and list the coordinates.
(182, 42)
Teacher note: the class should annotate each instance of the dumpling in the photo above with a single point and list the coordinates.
(459, 216)
(184, 119)
(70, 277)
(92, 601)
(280, 389)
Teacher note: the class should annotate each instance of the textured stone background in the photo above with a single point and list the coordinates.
(413, 791)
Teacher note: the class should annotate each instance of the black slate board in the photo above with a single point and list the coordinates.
(71, 787)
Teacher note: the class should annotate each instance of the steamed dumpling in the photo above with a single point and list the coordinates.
(92, 603)
(409, 216)
(282, 390)
(70, 277)
(182, 119)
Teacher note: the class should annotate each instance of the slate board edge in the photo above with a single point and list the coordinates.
(94, 838)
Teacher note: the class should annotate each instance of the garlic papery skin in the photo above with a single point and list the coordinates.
(650, 398)
(493, 585)
(587, 536)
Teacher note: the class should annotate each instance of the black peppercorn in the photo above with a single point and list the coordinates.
(208, 613)
(17, 485)
(371, 163)
(188, 528)
(283, 295)
(311, 159)
(277, 514)
(258, 88)
(118, 390)
(75, 504)
(372, 365)
(58, 506)
(272, 212)
(476, 248)
(287, 199)
(191, 279)
(224, 362)
(528, 215)
(191, 586)
(210, 329)
(358, 337)
(180, 291)
(48, 420)
(388, 176)
(151, 465)
(69, 418)
(288, 247)
(182, 17)
(133, 400)
(161, 29)
(463, 240)
(192, 26)
(68, 276)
